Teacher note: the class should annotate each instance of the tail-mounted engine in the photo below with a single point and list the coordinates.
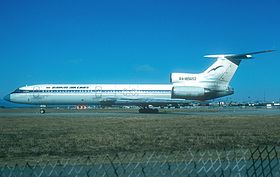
(189, 92)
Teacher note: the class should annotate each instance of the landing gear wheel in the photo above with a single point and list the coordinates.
(42, 111)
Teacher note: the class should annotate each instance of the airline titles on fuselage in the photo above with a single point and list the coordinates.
(66, 87)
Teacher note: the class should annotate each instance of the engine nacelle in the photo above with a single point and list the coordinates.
(182, 77)
(189, 92)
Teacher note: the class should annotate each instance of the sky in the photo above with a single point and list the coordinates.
(128, 41)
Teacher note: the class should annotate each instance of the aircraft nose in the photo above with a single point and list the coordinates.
(7, 97)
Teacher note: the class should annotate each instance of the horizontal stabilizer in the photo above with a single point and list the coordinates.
(237, 56)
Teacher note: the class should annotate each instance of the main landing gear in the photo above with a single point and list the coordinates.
(148, 110)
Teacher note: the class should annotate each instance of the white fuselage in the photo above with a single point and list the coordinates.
(110, 94)
(90, 93)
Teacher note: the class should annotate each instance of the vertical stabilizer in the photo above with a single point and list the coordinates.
(222, 70)
(226, 65)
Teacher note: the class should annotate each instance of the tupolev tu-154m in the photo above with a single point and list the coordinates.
(210, 84)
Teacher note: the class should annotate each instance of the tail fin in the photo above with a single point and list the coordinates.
(224, 68)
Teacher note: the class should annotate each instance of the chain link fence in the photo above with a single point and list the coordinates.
(258, 162)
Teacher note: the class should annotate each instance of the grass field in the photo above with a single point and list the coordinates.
(36, 136)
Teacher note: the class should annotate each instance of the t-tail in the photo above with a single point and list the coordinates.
(214, 80)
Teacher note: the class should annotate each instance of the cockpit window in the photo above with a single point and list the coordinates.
(17, 91)
(21, 91)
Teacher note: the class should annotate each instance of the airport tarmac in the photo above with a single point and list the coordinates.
(122, 113)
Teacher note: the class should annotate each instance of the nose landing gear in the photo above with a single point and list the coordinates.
(42, 111)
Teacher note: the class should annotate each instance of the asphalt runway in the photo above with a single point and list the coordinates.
(123, 113)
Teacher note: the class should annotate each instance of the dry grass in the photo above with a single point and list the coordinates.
(37, 136)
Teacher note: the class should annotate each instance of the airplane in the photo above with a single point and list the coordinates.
(210, 84)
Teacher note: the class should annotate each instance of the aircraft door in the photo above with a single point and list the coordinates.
(98, 91)
(36, 92)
